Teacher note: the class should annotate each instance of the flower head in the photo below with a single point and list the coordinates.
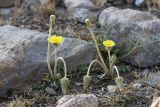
(56, 40)
(109, 43)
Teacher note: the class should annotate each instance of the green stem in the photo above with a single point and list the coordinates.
(94, 61)
(98, 51)
(64, 64)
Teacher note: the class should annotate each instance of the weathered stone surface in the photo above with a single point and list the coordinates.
(136, 33)
(81, 100)
(6, 11)
(87, 4)
(81, 9)
(153, 79)
(23, 55)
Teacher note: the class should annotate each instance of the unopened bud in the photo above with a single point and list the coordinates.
(65, 85)
(88, 23)
(53, 18)
(86, 82)
(119, 81)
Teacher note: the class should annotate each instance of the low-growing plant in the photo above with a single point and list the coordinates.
(56, 41)
(109, 44)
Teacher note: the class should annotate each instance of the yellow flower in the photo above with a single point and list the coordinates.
(56, 40)
(109, 43)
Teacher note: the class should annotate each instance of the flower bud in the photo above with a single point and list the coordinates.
(65, 85)
(88, 23)
(119, 81)
(86, 82)
(52, 18)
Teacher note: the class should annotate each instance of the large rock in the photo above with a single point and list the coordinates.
(136, 33)
(80, 100)
(81, 9)
(23, 55)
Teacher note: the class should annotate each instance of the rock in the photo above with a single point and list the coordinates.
(50, 91)
(80, 100)
(136, 33)
(153, 79)
(111, 88)
(139, 3)
(6, 12)
(23, 55)
(80, 14)
(155, 12)
(137, 86)
(72, 4)
(9, 3)
(81, 9)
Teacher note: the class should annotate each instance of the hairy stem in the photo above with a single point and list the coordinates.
(64, 64)
(115, 67)
(109, 61)
(55, 59)
(94, 61)
(48, 52)
(98, 51)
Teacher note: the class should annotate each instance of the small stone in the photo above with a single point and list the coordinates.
(50, 91)
(78, 84)
(137, 86)
(111, 88)
(80, 100)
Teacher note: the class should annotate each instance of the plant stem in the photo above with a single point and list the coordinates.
(98, 51)
(94, 61)
(115, 67)
(48, 52)
(55, 59)
(64, 64)
(109, 61)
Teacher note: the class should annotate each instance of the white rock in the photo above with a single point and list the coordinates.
(137, 86)
(80, 100)
(111, 88)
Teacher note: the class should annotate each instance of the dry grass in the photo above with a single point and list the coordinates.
(2, 21)
(48, 8)
(100, 3)
(153, 4)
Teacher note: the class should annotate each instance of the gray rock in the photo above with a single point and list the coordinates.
(81, 9)
(136, 33)
(23, 55)
(80, 14)
(153, 79)
(50, 91)
(6, 11)
(71, 4)
(137, 86)
(81, 100)
(139, 3)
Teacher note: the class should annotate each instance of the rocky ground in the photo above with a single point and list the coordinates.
(141, 84)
